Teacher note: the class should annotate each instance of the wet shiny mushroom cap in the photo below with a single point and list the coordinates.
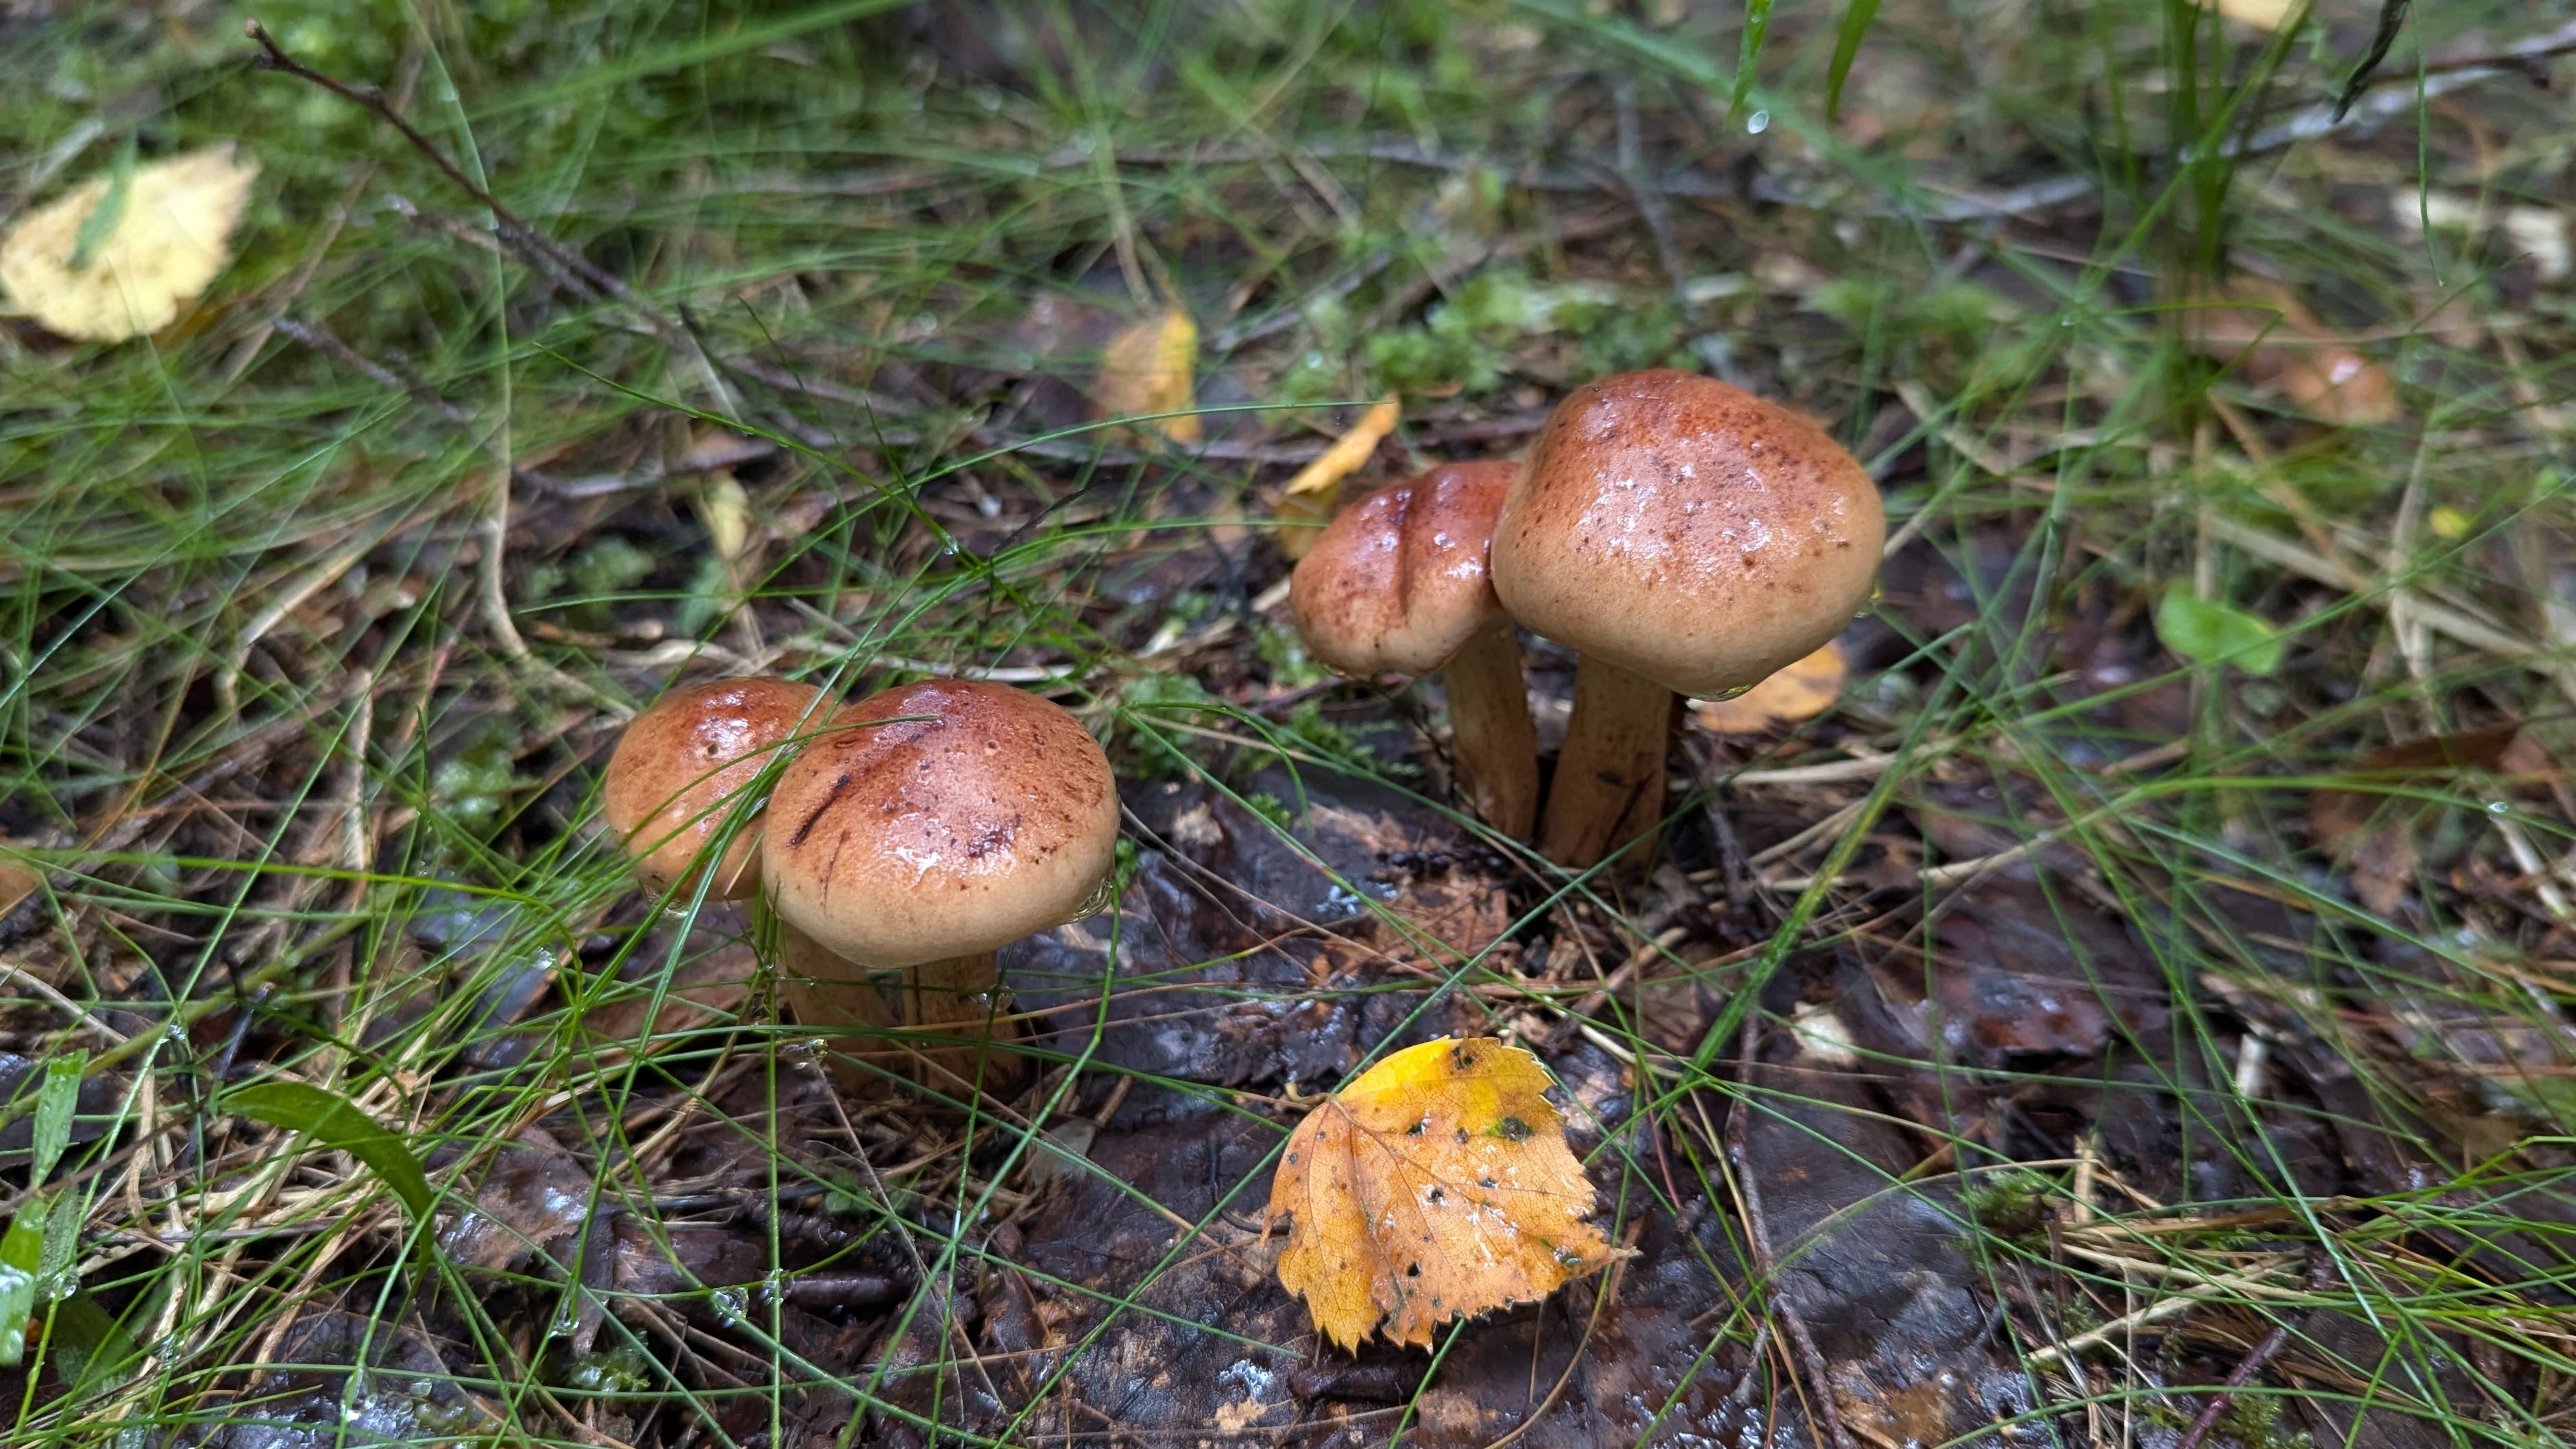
(1688, 531)
(1398, 581)
(682, 766)
(972, 816)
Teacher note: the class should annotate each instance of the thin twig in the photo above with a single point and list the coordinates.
(1757, 1232)
(2318, 1268)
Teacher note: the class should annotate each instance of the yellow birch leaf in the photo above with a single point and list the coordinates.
(1151, 368)
(1436, 1186)
(1802, 690)
(2263, 14)
(174, 235)
(1311, 495)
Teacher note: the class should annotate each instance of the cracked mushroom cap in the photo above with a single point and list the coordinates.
(941, 819)
(1688, 531)
(1398, 580)
(681, 767)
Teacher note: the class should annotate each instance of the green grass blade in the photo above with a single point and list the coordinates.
(1757, 27)
(1856, 23)
(100, 224)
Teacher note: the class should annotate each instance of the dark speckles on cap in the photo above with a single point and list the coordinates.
(990, 815)
(1398, 581)
(1687, 530)
(681, 766)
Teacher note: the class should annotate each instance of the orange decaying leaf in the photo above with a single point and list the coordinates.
(1802, 690)
(1437, 1185)
(1149, 369)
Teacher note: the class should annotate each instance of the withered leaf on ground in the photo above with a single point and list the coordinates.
(1151, 368)
(1438, 1185)
(2280, 345)
(116, 257)
(1801, 691)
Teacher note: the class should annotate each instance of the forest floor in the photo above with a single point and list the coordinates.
(2130, 1006)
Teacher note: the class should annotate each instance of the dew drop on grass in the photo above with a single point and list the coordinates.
(1757, 123)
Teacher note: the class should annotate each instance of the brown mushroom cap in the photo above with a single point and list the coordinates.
(1688, 531)
(681, 766)
(900, 843)
(1398, 580)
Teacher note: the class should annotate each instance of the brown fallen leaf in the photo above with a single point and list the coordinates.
(1436, 1186)
(2372, 833)
(1150, 368)
(1801, 691)
(2338, 815)
(1315, 493)
(18, 880)
(2277, 343)
(169, 233)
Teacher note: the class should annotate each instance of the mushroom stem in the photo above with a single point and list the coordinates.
(831, 993)
(961, 996)
(1489, 721)
(1609, 782)
(876, 1007)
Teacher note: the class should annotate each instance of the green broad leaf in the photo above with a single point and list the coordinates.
(89, 1346)
(102, 220)
(60, 1256)
(56, 1099)
(337, 1123)
(1757, 25)
(2208, 632)
(22, 1257)
(1856, 22)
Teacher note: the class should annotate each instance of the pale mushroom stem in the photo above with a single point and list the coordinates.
(1609, 784)
(832, 993)
(959, 997)
(1489, 721)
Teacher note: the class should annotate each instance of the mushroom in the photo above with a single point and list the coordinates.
(934, 824)
(1684, 537)
(683, 767)
(680, 770)
(1398, 583)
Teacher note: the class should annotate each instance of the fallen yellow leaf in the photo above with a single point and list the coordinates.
(173, 235)
(1151, 368)
(2265, 14)
(1312, 494)
(1803, 690)
(1438, 1185)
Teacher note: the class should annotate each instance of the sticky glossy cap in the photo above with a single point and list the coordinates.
(682, 767)
(940, 819)
(1398, 580)
(1688, 531)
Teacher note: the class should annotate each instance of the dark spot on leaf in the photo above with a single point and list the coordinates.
(1512, 1129)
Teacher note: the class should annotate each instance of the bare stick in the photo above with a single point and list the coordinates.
(1757, 1233)
(2253, 1364)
